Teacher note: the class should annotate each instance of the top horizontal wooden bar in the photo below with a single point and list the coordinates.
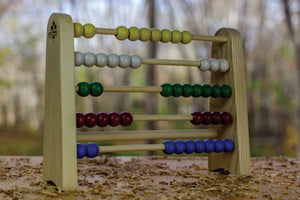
(107, 31)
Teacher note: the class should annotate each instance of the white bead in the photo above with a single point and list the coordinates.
(136, 61)
(113, 60)
(102, 59)
(79, 58)
(205, 64)
(214, 65)
(89, 59)
(125, 60)
(224, 65)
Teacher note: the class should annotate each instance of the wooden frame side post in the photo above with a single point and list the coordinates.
(238, 161)
(60, 159)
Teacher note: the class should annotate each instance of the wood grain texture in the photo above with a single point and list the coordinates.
(60, 159)
(237, 162)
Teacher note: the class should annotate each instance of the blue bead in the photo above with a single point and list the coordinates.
(200, 146)
(210, 146)
(169, 147)
(180, 147)
(190, 146)
(228, 145)
(92, 150)
(219, 145)
(81, 150)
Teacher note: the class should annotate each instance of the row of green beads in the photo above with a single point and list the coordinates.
(195, 90)
(94, 88)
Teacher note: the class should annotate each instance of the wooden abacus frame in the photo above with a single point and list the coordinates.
(60, 137)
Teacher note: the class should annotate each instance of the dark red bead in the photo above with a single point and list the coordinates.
(207, 118)
(80, 120)
(126, 118)
(197, 118)
(102, 119)
(114, 119)
(226, 118)
(216, 118)
(90, 119)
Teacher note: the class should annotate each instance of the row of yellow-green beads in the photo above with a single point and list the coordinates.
(87, 30)
(153, 35)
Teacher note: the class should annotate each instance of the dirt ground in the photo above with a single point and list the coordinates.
(153, 178)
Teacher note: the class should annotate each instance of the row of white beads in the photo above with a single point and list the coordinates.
(111, 60)
(214, 65)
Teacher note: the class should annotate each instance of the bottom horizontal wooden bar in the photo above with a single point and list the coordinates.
(127, 148)
(99, 136)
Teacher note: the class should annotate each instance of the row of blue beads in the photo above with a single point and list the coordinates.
(198, 146)
(90, 150)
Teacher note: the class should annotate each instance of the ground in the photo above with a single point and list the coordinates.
(161, 178)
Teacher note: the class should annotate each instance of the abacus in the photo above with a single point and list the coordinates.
(227, 118)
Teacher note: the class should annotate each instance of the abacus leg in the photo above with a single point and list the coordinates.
(238, 161)
(60, 160)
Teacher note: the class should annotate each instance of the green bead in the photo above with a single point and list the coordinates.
(84, 89)
(187, 90)
(207, 90)
(216, 90)
(225, 91)
(167, 90)
(197, 90)
(177, 90)
(96, 89)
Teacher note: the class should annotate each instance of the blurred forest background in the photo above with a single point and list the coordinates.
(271, 34)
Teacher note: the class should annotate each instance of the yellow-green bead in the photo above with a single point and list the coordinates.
(155, 35)
(176, 36)
(166, 36)
(122, 33)
(78, 30)
(186, 37)
(134, 33)
(145, 34)
(89, 30)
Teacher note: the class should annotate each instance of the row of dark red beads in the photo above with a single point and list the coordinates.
(103, 119)
(211, 118)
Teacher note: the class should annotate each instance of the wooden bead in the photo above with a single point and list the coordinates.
(216, 118)
(84, 89)
(81, 151)
(134, 33)
(114, 119)
(206, 90)
(205, 64)
(200, 146)
(89, 59)
(226, 118)
(167, 90)
(219, 145)
(176, 36)
(90, 119)
(125, 60)
(102, 119)
(209, 146)
(228, 145)
(224, 65)
(216, 90)
(145, 34)
(214, 64)
(92, 150)
(101, 60)
(197, 90)
(80, 120)
(122, 33)
(78, 30)
(126, 118)
(79, 58)
(187, 90)
(89, 30)
(136, 61)
(186, 37)
(169, 147)
(180, 147)
(166, 36)
(225, 91)
(206, 118)
(96, 89)
(155, 35)
(197, 118)
(190, 146)
(113, 60)
(177, 90)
